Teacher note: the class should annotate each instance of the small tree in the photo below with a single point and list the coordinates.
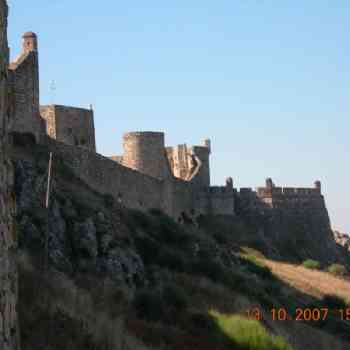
(337, 269)
(311, 264)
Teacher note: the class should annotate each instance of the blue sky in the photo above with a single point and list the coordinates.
(267, 80)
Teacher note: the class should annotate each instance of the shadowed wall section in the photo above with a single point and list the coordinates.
(8, 271)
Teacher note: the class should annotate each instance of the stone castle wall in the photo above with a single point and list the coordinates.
(148, 174)
(132, 188)
(8, 274)
(129, 187)
(24, 88)
(70, 125)
(288, 199)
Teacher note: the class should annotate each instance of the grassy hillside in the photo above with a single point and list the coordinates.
(122, 279)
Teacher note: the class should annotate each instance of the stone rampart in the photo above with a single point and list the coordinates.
(8, 245)
(70, 125)
(129, 187)
(136, 190)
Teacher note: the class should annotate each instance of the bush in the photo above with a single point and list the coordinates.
(171, 259)
(333, 302)
(175, 296)
(168, 231)
(148, 305)
(337, 269)
(247, 334)
(109, 200)
(209, 268)
(254, 265)
(311, 264)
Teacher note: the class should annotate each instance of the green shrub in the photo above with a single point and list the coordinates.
(172, 259)
(209, 268)
(311, 264)
(148, 305)
(337, 269)
(175, 296)
(254, 265)
(333, 302)
(148, 248)
(247, 334)
(109, 200)
(137, 219)
(168, 231)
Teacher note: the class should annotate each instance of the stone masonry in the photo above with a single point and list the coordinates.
(8, 275)
(148, 174)
(24, 88)
(70, 125)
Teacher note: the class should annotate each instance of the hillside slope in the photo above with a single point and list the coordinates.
(122, 279)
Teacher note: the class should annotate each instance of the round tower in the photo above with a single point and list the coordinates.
(145, 152)
(29, 42)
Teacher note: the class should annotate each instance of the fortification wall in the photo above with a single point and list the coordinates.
(70, 125)
(8, 271)
(129, 187)
(24, 89)
(288, 199)
(201, 176)
(118, 159)
(222, 199)
(183, 199)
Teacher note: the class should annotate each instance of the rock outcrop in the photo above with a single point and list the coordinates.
(342, 239)
(8, 274)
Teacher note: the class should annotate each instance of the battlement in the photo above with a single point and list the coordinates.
(70, 125)
(273, 191)
(219, 189)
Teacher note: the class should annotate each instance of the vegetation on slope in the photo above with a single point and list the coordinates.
(122, 279)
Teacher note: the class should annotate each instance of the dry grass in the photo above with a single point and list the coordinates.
(77, 304)
(311, 282)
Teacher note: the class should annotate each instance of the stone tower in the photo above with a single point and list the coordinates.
(8, 275)
(29, 42)
(145, 152)
(70, 125)
(24, 88)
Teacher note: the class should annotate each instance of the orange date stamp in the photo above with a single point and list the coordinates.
(300, 314)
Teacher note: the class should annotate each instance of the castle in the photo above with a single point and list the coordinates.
(148, 174)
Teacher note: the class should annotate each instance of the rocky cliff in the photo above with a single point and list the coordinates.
(8, 275)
